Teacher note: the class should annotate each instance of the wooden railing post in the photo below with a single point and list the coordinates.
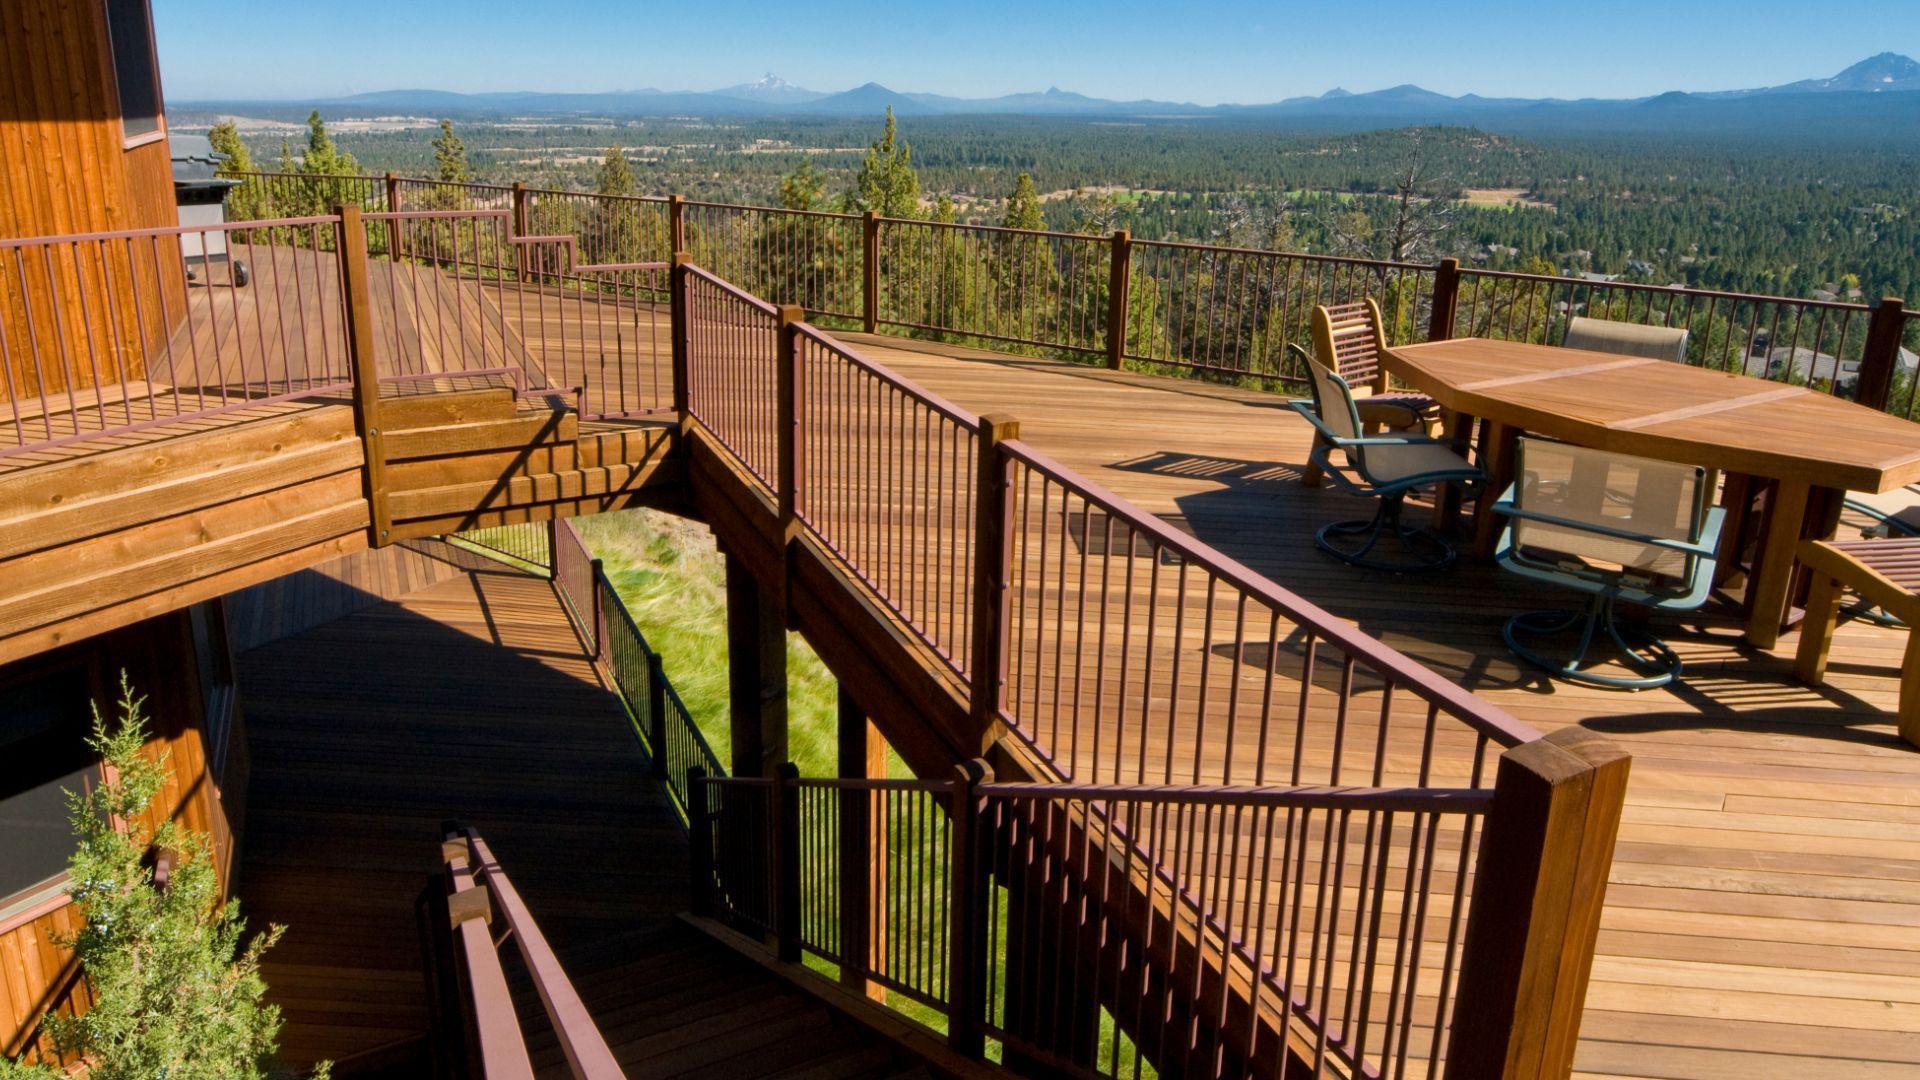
(676, 223)
(520, 229)
(967, 963)
(1446, 297)
(785, 807)
(870, 271)
(679, 282)
(699, 842)
(657, 713)
(393, 224)
(358, 309)
(787, 411)
(1881, 356)
(1119, 298)
(993, 553)
(1538, 888)
(599, 609)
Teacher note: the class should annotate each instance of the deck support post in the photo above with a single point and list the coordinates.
(393, 225)
(967, 970)
(993, 553)
(870, 271)
(699, 842)
(863, 851)
(756, 674)
(657, 713)
(787, 412)
(680, 329)
(1539, 885)
(358, 312)
(676, 223)
(1881, 356)
(599, 610)
(1119, 298)
(1446, 298)
(520, 229)
(784, 805)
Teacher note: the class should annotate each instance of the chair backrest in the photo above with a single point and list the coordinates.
(1348, 338)
(1333, 400)
(1627, 339)
(1582, 486)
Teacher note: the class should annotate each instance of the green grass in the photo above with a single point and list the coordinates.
(673, 581)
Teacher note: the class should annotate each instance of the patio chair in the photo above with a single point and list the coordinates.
(1347, 339)
(1901, 523)
(1627, 339)
(1616, 528)
(1386, 467)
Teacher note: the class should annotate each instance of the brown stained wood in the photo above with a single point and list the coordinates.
(473, 698)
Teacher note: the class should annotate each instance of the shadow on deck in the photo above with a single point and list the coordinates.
(474, 699)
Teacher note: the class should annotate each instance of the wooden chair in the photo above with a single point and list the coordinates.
(1347, 339)
(1886, 573)
(1386, 467)
(1627, 339)
(1617, 528)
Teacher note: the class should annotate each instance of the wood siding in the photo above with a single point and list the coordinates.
(37, 973)
(64, 170)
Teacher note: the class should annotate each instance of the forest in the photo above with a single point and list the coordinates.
(1740, 214)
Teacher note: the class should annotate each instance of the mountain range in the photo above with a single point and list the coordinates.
(1879, 92)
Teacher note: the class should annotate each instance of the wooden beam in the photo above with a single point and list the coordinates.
(357, 310)
(756, 675)
(863, 851)
(1538, 888)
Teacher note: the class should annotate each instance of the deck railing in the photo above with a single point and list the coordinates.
(476, 1029)
(112, 333)
(1110, 929)
(1173, 307)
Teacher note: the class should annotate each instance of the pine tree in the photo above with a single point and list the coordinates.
(323, 158)
(801, 189)
(616, 176)
(1023, 206)
(248, 202)
(886, 182)
(174, 992)
(450, 155)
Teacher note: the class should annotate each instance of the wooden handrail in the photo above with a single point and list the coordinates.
(586, 1049)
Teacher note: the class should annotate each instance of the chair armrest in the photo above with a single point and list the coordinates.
(1306, 409)
(1706, 546)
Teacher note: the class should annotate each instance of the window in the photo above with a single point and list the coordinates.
(44, 721)
(130, 27)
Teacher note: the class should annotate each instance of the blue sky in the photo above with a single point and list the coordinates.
(1207, 53)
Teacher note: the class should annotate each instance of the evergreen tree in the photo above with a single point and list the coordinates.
(323, 158)
(174, 992)
(801, 189)
(450, 156)
(248, 202)
(1023, 206)
(886, 182)
(615, 176)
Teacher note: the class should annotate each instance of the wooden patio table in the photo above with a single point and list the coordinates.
(1809, 448)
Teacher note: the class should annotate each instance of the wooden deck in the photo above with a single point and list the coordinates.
(1764, 909)
(473, 699)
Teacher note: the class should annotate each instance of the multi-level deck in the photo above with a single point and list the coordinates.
(1759, 896)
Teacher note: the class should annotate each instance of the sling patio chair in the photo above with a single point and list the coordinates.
(1627, 339)
(1347, 339)
(1616, 528)
(1386, 467)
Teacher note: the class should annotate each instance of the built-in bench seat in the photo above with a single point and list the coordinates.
(1885, 573)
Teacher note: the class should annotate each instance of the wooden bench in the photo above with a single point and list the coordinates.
(1883, 572)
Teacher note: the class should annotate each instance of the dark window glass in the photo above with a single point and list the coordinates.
(130, 25)
(43, 740)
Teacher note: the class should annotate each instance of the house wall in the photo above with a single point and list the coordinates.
(66, 168)
(159, 656)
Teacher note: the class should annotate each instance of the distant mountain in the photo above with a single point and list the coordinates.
(772, 88)
(1875, 94)
(1874, 75)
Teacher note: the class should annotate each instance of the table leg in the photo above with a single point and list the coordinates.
(1773, 579)
(1446, 506)
(1737, 499)
(1497, 445)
